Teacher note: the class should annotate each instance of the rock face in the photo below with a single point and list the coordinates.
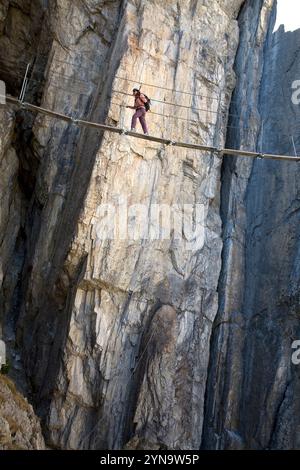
(253, 386)
(19, 427)
(142, 310)
(111, 338)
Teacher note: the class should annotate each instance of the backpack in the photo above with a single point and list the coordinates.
(148, 103)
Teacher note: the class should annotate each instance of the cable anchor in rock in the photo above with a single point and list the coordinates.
(294, 146)
(24, 84)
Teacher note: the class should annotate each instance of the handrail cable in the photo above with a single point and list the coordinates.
(176, 105)
(77, 92)
(137, 82)
(192, 121)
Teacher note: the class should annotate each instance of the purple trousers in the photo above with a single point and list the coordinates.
(139, 114)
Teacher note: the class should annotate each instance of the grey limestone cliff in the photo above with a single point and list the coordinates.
(137, 342)
(253, 388)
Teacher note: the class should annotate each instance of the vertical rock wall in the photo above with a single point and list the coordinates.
(134, 366)
(251, 399)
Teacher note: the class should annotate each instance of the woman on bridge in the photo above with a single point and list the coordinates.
(140, 110)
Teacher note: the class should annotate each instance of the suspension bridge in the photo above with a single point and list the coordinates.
(20, 102)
